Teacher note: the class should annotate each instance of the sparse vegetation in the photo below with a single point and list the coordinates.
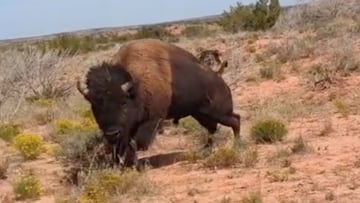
(197, 31)
(268, 130)
(300, 145)
(29, 145)
(341, 107)
(314, 44)
(271, 70)
(27, 187)
(254, 197)
(156, 32)
(277, 175)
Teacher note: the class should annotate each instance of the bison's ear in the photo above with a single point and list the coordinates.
(223, 65)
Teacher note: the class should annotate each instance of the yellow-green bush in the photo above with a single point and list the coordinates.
(29, 145)
(268, 130)
(9, 131)
(66, 126)
(106, 184)
(27, 187)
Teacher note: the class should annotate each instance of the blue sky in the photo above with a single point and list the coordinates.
(25, 18)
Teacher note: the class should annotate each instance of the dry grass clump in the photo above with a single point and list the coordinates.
(300, 146)
(4, 165)
(253, 197)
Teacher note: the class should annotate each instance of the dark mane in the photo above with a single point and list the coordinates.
(104, 77)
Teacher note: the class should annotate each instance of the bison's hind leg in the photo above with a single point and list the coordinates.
(231, 120)
(210, 125)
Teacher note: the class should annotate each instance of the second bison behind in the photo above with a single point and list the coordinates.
(148, 81)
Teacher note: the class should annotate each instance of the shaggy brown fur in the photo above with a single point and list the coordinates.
(166, 82)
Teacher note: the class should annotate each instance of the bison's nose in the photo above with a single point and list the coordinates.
(112, 131)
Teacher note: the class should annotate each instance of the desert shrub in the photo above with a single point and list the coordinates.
(106, 184)
(268, 130)
(29, 145)
(222, 158)
(4, 165)
(252, 17)
(194, 31)
(27, 187)
(156, 32)
(9, 131)
(77, 147)
(32, 75)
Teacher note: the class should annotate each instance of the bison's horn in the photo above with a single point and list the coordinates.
(126, 86)
(82, 90)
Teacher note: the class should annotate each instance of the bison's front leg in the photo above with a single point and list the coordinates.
(130, 157)
(146, 133)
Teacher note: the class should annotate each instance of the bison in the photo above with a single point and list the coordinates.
(148, 81)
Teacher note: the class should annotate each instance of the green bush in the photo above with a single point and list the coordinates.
(9, 131)
(27, 187)
(29, 145)
(268, 130)
(66, 126)
(252, 17)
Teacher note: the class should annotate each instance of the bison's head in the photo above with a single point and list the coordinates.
(111, 92)
(211, 59)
